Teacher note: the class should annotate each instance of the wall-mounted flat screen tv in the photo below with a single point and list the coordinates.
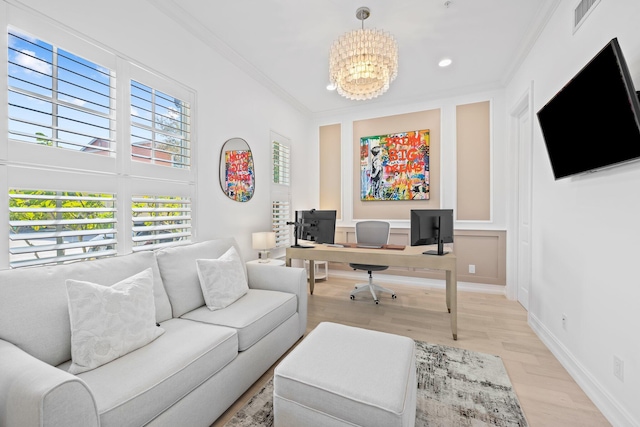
(594, 121)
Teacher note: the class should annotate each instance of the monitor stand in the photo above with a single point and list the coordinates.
(298, 225)
(440, 250)
(296, 245)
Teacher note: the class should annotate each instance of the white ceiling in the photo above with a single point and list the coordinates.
(285, 43)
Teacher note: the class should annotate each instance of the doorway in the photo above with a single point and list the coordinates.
(522, 127)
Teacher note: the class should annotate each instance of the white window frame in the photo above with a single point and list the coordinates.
(58, 98)
(165, 85)
(153, 225)
(39, 167)
(70, 235)
(280, 191)
(157, 134)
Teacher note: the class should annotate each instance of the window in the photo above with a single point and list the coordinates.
(57, 98)
(280, 163)
(49, 227)
(160, 221)
(159, 128)
(280, 191)
(280, 215)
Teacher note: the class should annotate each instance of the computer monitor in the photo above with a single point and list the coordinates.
(318, 226)
(432, 227)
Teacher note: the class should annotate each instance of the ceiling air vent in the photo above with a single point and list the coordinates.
(582, 11)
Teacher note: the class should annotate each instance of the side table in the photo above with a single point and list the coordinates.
(270, 262)
(321, 269)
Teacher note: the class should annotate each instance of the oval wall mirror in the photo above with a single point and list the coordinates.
(237, 177)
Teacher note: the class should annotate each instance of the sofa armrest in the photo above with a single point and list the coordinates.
(285, 279)
(34, 393)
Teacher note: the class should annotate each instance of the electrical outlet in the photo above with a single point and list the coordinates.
(472, 269)
(564, 321)
(618, 368)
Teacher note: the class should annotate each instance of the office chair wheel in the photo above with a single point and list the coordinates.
(393, 296)
(352, 297)
(377, 301)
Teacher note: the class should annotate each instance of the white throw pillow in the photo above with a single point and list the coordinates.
(110, 321)
(222, 280)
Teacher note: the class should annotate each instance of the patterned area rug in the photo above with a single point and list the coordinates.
(455, 388)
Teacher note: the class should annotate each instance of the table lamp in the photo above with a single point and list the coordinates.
(263, 241)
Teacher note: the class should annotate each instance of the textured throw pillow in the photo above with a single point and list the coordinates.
(110, 321)
(222, 280)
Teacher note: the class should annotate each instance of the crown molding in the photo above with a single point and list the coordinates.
(535, 29)
(189, 23)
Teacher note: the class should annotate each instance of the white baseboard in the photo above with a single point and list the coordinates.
(607, 404)
(421, 282)
(610, 408)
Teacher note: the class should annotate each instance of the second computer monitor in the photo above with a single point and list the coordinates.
(432, 227)
(318, 226)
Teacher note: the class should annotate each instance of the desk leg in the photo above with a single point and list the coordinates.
(312, 275)
(448, 291)
(452, 301)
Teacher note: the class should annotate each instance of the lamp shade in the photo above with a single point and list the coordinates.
(264, 240)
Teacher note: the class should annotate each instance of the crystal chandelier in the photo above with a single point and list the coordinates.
(362, 62)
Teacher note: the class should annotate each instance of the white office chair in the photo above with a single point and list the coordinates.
(373, 234)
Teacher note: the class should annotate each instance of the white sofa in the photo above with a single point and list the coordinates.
(187, 376)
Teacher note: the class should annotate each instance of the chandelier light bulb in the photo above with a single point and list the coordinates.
(363, 62)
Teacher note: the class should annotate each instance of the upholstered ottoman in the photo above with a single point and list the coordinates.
(345, 376)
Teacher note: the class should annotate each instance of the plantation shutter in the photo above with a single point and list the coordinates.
(59, 99)
(281, 163)
(160, 132)
(160, 221)
(280, 214)
(280, 191)
(49, 227)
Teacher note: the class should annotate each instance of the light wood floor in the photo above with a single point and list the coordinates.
(486, 323)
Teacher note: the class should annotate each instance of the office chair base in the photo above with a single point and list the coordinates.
(372, 287)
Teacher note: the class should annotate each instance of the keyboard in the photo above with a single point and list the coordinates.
(369, 246)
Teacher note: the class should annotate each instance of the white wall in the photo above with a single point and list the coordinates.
(585, 229)
(585, 232)
(448, 139)
(229, 104)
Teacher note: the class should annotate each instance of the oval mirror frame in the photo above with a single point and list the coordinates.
(237, 175)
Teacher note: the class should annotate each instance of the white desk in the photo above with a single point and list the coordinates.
(410, 256)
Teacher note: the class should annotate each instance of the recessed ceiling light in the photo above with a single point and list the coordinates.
(445, 62)
(331, 86)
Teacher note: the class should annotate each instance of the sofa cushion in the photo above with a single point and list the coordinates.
(33, 301)
(253, 316)
(132, 390)
(110, 321)
(222, 280)
(180, 275)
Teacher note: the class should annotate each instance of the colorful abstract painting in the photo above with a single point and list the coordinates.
(239, 174)
(395, 166)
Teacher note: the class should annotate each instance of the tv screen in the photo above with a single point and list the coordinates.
(594, 121)
(431, 227)
(318, 226)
